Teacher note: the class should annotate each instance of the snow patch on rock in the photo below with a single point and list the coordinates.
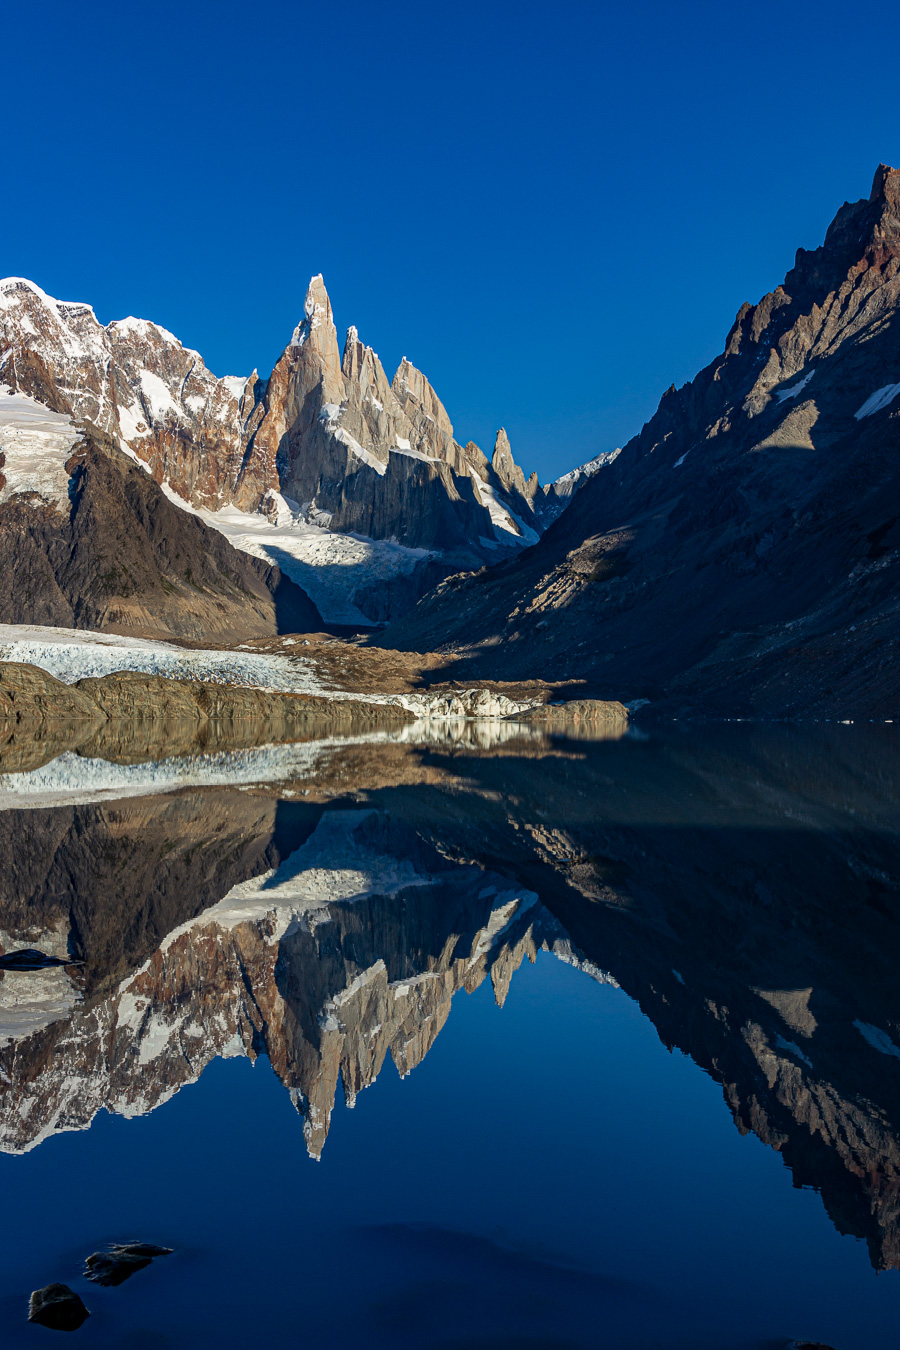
(878, 1039)
(877, 401)
(783, 394)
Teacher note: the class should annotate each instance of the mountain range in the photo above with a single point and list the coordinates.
(738, 556)
(325, 462)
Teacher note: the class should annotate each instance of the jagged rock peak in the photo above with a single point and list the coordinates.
(316, 311)
(316, 338)
(412, 388)
(886, 186)
(354, 354)
(506, 469)
(863, 234)
(504, 466)
(360, 363)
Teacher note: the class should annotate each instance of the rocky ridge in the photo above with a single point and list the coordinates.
(741, 554)
(132, 717)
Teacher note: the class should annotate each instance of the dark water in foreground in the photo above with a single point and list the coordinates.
(641, 996)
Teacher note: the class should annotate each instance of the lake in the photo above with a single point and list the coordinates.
(471, 1040)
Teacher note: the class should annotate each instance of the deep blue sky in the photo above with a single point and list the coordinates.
(554, 210)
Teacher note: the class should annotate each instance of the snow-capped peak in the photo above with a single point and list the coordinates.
(567, 483)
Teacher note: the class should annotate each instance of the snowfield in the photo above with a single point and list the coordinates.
(75, 654)
(37, 443)
(331, 568)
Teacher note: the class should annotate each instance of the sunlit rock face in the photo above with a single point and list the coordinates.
(134, 381)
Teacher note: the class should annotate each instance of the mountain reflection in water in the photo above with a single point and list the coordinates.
(740, 884)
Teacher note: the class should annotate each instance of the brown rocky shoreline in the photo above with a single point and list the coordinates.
(130, 716)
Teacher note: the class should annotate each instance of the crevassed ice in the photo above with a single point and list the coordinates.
(73, 654)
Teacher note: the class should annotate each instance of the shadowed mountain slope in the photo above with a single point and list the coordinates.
(740, 554)
(109, 551)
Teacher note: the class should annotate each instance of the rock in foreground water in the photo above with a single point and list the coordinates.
(56, 1306)
(121, 1261)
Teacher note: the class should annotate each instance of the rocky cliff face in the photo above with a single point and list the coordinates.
(135, 382)
(87, 539)
(742, 552)
(327, 436)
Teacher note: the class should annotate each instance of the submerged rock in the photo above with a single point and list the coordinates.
(57, 1306)
(121, 1261)
(139, 1249)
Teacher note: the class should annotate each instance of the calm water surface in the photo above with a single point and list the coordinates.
(525, 1044)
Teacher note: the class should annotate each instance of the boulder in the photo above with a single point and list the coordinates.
(56, 1306)
(584, 718)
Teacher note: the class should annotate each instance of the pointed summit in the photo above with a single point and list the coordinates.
(863, 234)
(886, 185)
(317, 334)
(416, 397)
(316, 310)
(504, 466)
(362, 367)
